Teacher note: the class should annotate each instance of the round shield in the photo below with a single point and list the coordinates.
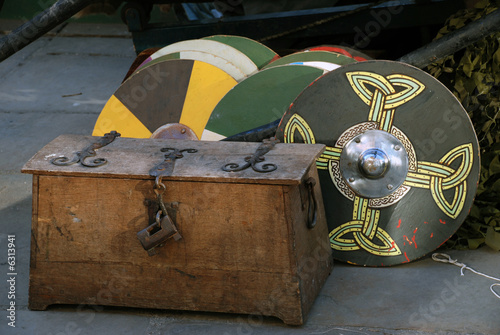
(221, 50)
(346, 51)
(401, 166)
(202, 56)
(312, 56)
(260, 54)
(172, 91)
(258, 100)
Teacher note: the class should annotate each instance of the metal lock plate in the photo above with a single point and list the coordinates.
(164, 227)
(157, 233)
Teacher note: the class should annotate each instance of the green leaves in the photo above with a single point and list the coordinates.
(473, 75)
(493, 238)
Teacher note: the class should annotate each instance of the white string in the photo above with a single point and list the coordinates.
(444, 258)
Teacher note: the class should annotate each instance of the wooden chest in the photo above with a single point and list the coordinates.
(251, 242)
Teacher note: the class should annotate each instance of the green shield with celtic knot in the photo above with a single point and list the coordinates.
(401, 166)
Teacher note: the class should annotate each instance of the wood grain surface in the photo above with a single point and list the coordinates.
(245, 245)
(133, 158)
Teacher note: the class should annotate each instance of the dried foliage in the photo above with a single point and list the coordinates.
(473, 75)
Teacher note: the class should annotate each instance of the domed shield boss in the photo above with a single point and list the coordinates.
(401, 166)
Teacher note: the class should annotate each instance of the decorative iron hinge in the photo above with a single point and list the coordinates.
(257, 157)
(81, 156)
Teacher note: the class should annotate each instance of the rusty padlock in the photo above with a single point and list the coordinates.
(163, 228)
(157, 233)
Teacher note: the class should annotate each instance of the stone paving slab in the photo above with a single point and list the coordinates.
(62, 83)
(24, 134)
(11, 64)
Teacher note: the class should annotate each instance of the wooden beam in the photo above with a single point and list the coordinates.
(39, 25)
(454, 41)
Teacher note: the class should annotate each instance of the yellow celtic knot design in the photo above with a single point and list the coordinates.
(384, 99)
(439, 177)
(298, 124)
(383, 95)
(364, 228)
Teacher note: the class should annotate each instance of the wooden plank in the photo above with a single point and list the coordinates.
(211, 290)
(34, 220)
(97, 219)
(312, 250)
(133, 158)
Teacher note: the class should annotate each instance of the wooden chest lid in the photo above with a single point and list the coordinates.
(133, 158)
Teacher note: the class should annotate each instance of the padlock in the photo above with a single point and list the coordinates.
(157, 233)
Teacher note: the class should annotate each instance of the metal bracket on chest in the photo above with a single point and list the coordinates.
(81, 156)
(309, 202)
(164, 226)
(257, 157)
(166, 167)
